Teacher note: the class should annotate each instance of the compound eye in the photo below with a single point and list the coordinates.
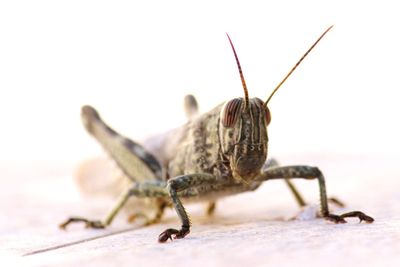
(267, 116)
(231, 112)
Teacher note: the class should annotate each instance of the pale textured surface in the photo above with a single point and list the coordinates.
(251, 229)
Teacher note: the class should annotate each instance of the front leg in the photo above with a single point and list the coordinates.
(179, 184)
(307, 172)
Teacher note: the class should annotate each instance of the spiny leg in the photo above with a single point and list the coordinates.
(307, 172)
(176, 185)
(299, 199)
(149, 189)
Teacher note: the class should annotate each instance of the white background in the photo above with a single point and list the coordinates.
(134, 61)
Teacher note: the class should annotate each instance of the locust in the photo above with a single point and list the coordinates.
(217, 154)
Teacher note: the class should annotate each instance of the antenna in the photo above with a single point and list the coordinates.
(246, 93)
(295, 66)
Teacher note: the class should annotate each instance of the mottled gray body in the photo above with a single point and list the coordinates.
(194, 148)
(201, 161)
(219, 153)
(203, 146)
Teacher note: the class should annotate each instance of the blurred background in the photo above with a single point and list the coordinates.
(134, 61)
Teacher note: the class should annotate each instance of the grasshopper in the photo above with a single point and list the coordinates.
(216, 154)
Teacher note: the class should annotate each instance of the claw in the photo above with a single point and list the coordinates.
(367, 219)
(173, 233)
(88, 223)
(340, 219)
(94, 224)
(360, 215)
(335, 218)
(167, 234)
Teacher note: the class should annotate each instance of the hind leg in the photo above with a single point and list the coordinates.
(135, 162)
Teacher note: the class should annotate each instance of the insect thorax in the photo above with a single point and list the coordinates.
(199, 150)
(207, 146)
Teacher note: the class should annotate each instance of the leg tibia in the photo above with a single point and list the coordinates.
(174, 186)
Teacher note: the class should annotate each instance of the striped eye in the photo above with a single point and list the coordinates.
(231, 112)
(267, 115)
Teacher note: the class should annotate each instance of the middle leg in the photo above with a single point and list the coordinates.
(154, 189)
